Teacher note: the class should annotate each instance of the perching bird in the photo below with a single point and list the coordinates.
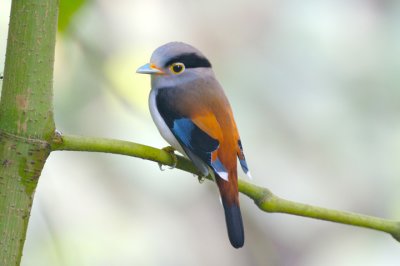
(192, 113)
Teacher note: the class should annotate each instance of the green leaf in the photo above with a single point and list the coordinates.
(67, 10)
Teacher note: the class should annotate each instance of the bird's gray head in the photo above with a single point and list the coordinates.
(176, 63)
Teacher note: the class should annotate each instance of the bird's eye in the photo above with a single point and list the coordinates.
(177, 68)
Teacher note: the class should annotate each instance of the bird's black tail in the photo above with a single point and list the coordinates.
(234, 224)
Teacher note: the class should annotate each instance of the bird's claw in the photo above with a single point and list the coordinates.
(201, 178)
(171, 151)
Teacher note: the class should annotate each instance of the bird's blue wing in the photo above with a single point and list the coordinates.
(242, 160)
(192, 138)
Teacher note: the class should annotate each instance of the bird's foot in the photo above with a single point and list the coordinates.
(201, 178)
(171, 151)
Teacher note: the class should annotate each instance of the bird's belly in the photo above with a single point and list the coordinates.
(161, 125)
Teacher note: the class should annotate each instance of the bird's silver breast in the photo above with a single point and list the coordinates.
(161, 125)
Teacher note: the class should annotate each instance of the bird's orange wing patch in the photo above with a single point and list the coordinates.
(209, 124)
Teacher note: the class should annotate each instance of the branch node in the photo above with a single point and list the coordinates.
(57, 138)
(396, 235)
(263, 199)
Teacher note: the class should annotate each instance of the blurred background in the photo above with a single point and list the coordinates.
(315, 88)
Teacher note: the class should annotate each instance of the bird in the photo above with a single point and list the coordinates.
(193, 114)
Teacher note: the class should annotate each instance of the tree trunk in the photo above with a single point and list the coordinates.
(26, 117)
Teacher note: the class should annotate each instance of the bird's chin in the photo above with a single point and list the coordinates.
(161, 81)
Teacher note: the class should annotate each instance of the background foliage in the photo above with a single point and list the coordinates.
(315, 90)
(67, 9)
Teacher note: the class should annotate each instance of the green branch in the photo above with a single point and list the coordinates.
(262, 197)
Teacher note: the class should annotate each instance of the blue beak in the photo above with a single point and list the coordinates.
(149, 69)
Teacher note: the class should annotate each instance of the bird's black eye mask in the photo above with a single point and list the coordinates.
(190, 60)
